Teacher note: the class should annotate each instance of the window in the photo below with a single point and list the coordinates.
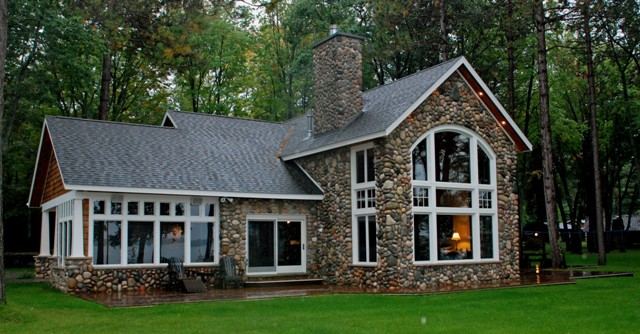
(364, 205)
(202, 242)
(140, 242)
(171, 241)
(106, 241)
(64, 213)
(148, 230)
(367, 239)
(454, 189)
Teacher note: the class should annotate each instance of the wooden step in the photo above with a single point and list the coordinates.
(278, 281)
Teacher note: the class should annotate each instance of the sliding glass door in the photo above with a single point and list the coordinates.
(276, 246)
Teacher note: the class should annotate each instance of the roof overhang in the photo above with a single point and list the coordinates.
(199, 193)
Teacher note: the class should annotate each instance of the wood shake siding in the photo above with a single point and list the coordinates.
(53, 185)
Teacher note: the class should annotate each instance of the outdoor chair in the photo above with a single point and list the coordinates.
(179, 280)
(230, 274)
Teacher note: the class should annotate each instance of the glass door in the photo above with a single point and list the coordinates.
(276, 246)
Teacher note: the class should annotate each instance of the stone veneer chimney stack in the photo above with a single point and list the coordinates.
(337, 70)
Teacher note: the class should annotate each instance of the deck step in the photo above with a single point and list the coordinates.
(262, 282)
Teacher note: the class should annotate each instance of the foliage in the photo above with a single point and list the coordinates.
(253, 59)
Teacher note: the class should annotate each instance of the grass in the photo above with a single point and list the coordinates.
(604, 305)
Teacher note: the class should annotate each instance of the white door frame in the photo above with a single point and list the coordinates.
(302, 268)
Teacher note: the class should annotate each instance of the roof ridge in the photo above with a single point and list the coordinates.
(191, 113)
(90, 120)
(414, 74)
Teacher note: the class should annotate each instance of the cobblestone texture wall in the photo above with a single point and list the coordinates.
(393, 165)
(337, 70)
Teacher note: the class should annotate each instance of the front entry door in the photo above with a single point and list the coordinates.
(276, 246)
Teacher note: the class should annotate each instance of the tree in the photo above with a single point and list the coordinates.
(602, 260)
(4, 26)
(545, 136)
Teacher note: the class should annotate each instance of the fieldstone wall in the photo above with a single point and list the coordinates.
(233, 226)
(332, 170)
(41, 264)
(453, 104)
(337, 71)
(79, 275)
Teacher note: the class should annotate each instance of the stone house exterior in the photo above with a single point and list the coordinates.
(408, 185)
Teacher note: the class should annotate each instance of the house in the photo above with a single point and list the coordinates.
(407, 185)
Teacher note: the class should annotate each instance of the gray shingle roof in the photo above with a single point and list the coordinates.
(382, 106)
(203, 153)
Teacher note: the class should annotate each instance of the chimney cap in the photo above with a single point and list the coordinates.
(333, 29)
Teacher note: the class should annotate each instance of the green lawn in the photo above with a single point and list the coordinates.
(590, 306)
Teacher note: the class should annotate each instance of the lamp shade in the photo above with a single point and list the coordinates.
(455, 236)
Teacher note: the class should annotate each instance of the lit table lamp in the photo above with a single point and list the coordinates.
(456, 238)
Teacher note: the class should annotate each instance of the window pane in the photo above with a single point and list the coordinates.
(373, 256)
(195, 210)
(165, 209)
(98, 207)
(180, 209)
(362, 239)
(420, 161)
(453, 198)
(421, 233)
(209, 210)
(140, 242)
(116, 208)
(149, 208)
(420, 196)
(171, 241)
(484, 198)
(132, 208)
(106, 242)
(360, 167)
(454, 237)
(484, 167)
(202, 242)
(370, 166)
(486, 237)
(452, 155)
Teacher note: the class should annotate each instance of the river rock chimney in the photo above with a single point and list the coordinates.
(337, 88)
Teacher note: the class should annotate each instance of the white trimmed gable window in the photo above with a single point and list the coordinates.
(454, 197)
(364, 205)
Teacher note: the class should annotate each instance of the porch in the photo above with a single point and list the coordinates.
(158, 297)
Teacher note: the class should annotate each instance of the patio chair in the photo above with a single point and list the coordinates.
(230, 274)
(178, 278)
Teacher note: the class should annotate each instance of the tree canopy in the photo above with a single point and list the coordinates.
(132, 60)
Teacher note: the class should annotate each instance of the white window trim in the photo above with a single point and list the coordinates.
(156, 218)
(359, 212)
(432, 210)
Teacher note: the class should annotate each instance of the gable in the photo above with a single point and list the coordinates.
(47, 182)
(385, 107)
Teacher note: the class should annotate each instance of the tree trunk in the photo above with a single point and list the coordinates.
(444, 53)
(545, 138)
(511, 81)
(105, 83)
(3, 55)
(602, 259)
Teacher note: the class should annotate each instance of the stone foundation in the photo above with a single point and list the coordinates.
(42, 266)
(79, 275)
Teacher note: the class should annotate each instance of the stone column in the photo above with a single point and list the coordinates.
(76, 230)
(45, 247)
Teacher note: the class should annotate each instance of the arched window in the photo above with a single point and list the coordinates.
(454, 197)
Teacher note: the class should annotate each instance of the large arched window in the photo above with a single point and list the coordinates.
(454, 197)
